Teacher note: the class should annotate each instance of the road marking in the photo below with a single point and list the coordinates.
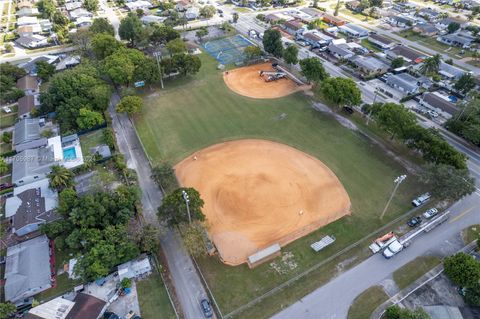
(462, 214)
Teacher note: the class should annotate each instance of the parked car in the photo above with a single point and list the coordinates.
(206, 308)
(414, 222)
(430, 213)
(422, 199)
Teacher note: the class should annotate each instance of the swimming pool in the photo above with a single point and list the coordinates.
(69, 154)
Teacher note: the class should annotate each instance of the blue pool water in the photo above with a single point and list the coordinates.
(69, 154)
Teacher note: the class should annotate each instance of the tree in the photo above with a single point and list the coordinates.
(87, 119)
(176, 46)
(104, 45)
(272, 42)
(447, 182)
(462, 269)
(7, 309)
(202, 32)
(8, 47)
(3, 166)
(395, 312)
(376, 3)
(119, 67)
(101, 25)
(91, 5)
(207, 11)
(313, 70)
(162, 34)
(395, 119)
(126, 283)
(130, 104)
(431, 65)
(193, 238)
(146, 237)
(164, 176)
(235, 17)
(466, 122)
(397, 62)
(44, 70)
(47, 8)
(341, 91)
(465, 83)
(130, 29)
(472, 295)
(252, 52)
(290, 54)
(186, 64)
(174, 209)
(337, 8)
(453, 27)
(60, 178)
(9, 74)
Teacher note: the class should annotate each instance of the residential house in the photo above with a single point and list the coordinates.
(139, 4)
(30, 206)
(439, 104)
(32, 41)
(27, 134)
(426, 29)
(28, 84)
(444, 23)
(331, 19)
(353, 31)
(429, 14)
(400, 21)
(82, 306)
(28, 30)
(68, 62)
(135, 268)
(405, 6)
(31, 66)
(339, 52)
(25, 4)
(294, 27)
(314, 13)
(26, 104)
(457, 40)
(83, 22)
(317, 39)
(26, 21)
(369, 66)
(78, 13)
(380, 41)
(450, 72)
(148, 19)
(28, 269)
(27, 12)
(101, 150)
(192, 13)
(182, 5)
(46, 25)
(403, 82)
(301, 16)
(73, 5)
(354, 6)
(409, 55)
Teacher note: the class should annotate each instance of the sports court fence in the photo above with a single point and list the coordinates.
(228, 50)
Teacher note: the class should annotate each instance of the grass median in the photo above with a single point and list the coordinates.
(363, 306)
(415, 269)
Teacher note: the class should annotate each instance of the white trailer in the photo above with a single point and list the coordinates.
(382, 242)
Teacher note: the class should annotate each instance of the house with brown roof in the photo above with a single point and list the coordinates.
(83, 306)
(410, 56)
(438, 104)
(333, 20)
(426, 29)
(294, 27)
(28, 84)
(26, 105)
(381, 41)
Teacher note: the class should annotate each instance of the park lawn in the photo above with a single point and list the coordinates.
(363, 306)
(90, 140)
(193, 113)
(153, 299)
(7, 120)
(406, 275)
(471, 233)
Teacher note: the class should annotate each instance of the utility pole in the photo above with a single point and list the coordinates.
(370, 113)
(157, 57)
(397, 182)
(187, 201)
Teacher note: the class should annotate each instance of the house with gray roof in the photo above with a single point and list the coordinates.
(339, 52)
(438, 104)
(381, 41)
(450, 72)
(32, 164)
(403, 82)
(399, 21)
(353, 30)
(426, 29)
(369, 66)
(27, 269)
(30, 206)
(26, 135)
(444, 23)
(135, 268)
(429, 14)
(457, 40)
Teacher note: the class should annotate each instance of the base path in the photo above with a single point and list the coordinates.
(247, 81)
(258, 193)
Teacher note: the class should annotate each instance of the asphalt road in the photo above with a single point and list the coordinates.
(188, 287)
(333, 300)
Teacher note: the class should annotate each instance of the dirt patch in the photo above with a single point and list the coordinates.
(247, 81)
(258, 193)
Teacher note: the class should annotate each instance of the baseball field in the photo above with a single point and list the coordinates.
(201, 115)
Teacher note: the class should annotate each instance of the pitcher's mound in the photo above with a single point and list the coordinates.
(258, 193)
(247, 81)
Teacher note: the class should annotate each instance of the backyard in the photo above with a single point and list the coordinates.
(199, 111)
(153, 298)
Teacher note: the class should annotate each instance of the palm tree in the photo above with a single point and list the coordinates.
(3, 166)
(60, 178)
(431, 65)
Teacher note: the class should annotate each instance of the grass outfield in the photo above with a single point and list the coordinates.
(186, 117)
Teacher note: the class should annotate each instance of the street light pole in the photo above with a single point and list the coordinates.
(157, 57)
(187, 201)
(370, 113)
(397, 182)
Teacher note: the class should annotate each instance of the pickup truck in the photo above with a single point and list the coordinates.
(422, 199)
(394, 248)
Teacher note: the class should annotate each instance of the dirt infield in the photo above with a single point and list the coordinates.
(258, 193)
(247, 81)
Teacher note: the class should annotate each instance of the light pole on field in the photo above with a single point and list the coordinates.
(374, 99)
(397, 182)
(187, 201)
(157, 56)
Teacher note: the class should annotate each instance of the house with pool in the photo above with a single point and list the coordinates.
(35, 164)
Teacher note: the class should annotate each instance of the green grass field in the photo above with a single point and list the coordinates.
(90, 140)
(363, 306)
(200, 111)
(415, 269)
(153, 298)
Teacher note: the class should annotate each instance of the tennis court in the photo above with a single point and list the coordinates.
(227, 50)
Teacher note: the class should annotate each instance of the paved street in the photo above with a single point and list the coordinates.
(333, 300)
(188, 286)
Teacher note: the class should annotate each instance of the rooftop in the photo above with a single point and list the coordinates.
(369, 63)
(380, 38)
(27, 82)
(409, 54)
(26, 130)
(403, 80)
(25, 105)
(439, 102)
(83, 306)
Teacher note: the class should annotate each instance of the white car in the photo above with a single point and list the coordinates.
(422, 199)
(430, 213)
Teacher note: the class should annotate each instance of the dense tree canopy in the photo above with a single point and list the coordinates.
(395, 312)
(466, 122)
(313, 70)
(161, 34)
(397, 62)
(9, 74)
(462, 269)
(207, 11)
(87, 119)
(290, 54)
(447, 182)
(272, 42)
(130, 104)
(104, 45)
(465, 83)
(174, 208)
(164, 175)
(101, 25)
(91, 5)
(341, 91)
(252, 52)
(131, 29)
(44, 70)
